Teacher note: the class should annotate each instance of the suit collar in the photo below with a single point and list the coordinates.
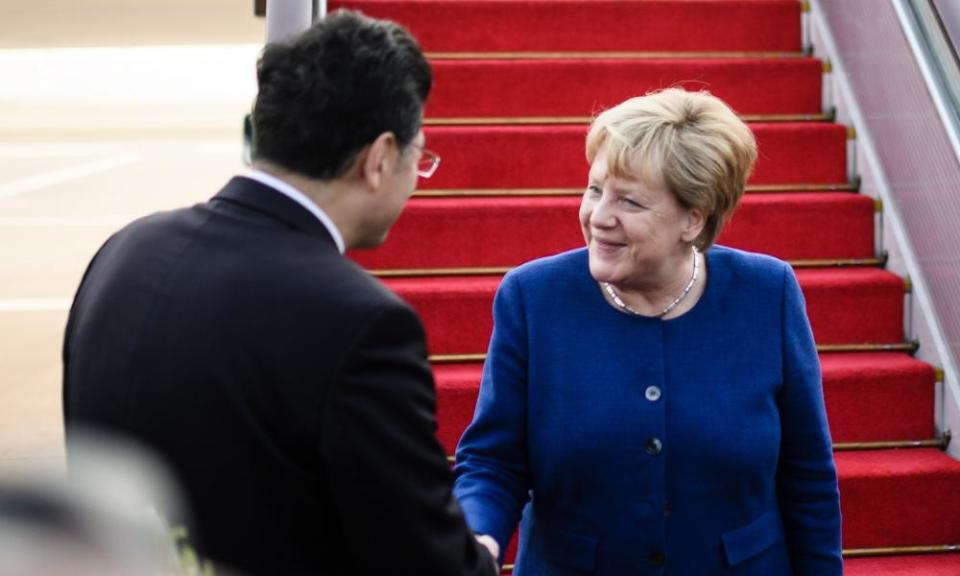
(263, 198)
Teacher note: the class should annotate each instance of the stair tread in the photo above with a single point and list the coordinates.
(843, 277)
(543, 88)
(628, 25)
(878, 396)
(911, 565)
(874, 365)
(898, 498)
(870, 396)
(553, 156)
(897, 464)
(862, 365)
(845, 306)
(829, 277)
(507, 231)
(858, 365)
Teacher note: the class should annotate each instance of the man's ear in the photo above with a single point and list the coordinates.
(381, 158)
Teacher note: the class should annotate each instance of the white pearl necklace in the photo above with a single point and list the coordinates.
(611, 291)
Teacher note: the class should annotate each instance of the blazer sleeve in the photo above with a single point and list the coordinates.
(389, 473)
(492, 480)
(806, 475)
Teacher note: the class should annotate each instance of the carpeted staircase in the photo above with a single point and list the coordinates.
(516, 83)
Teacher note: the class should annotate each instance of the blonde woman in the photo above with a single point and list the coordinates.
(652, 403)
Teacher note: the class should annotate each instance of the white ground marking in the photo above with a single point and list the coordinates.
(40, 181)
(67, 222)
(35, 304)
(22, 150)
(123, 74)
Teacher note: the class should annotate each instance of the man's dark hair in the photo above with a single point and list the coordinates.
(330, 91)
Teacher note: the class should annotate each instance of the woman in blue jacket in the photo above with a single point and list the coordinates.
(652, 404)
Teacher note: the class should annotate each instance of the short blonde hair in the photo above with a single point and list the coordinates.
(692, 141)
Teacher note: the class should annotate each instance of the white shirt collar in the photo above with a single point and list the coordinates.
(301, 199)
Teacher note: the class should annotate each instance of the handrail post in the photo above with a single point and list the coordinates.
(288, 17)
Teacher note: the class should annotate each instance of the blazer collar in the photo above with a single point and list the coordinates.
(262, 198)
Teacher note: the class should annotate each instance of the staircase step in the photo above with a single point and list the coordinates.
(780, 225)
(878, 396)
(537, 88)
(869, 396)
(457, 388)
(855, 305)
(549, 25)
(505, 232)
(899, 498)
(912, 565)
(511, 62)
(490, 157)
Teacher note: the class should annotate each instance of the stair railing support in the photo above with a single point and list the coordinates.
(288, 17)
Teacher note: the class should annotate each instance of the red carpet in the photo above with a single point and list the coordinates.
(486, 232)
(457, 386)
(898, 498)
(878, 396)
(543, 88)
(497, 157)
(507, 192)
(933, 565)
(627, 25)
(870, 396)
(859, 305)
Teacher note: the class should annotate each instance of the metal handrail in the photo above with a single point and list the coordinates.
(948, 11)
(939, 57)
(286, 18)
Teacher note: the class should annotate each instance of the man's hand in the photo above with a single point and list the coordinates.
(492, 546)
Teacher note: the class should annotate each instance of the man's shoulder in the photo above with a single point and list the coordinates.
(331, 285)
(159, 230)
(246, 261)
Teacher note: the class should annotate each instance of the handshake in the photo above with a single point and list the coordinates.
(490, 544)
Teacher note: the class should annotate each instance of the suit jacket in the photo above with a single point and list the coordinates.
(287, 388)
(696, 445)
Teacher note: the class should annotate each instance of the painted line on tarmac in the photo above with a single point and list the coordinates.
(34, 183)
(68, 222)
(35, 304)
(31, 150)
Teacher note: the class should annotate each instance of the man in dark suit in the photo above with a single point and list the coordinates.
(287, 388)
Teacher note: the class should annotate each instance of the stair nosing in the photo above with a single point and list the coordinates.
(900, 551)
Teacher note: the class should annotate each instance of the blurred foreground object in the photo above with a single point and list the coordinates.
(107, 519)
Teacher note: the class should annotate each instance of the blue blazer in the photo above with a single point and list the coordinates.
(629, 445)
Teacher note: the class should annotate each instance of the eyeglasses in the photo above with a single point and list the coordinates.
(428, 163)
